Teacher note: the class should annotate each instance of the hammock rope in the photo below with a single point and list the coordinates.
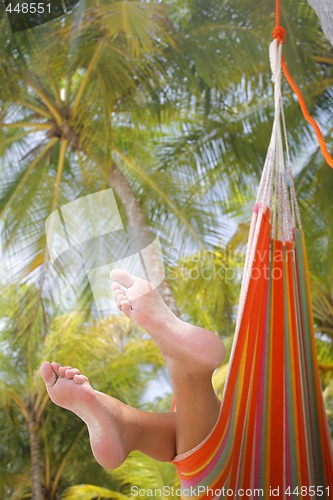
(279, 34)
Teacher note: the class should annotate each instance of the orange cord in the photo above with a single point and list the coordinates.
(277, 13)
(279, 33)
(307, 116)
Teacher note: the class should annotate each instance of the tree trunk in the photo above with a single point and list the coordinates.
(324, 10)
(139, 231)
(37, 491)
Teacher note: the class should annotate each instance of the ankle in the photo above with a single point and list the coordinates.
(189, 374)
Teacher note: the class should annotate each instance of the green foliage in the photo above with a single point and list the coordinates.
(139, 474)
(207, 286)
(90, 492)
(177, 97)
(118, 359)
(147, 475)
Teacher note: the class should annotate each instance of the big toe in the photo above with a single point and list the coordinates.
(48, 374)
(122, 277)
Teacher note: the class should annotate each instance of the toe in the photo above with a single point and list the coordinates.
(71, 372)
(122, 277)
(116, 286)
(62, 370)
(118, 291)
(120, 298)
(48, 374)
(126, 308)
(55, 366)
(80, 379)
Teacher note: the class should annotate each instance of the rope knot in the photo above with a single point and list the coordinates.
(280, 34)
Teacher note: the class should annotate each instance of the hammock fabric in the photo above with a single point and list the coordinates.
(271, 438)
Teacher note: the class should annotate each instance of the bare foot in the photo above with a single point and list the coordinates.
(104, 416)
(195, 348)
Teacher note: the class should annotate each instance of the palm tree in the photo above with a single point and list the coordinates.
(229, 131)
(172, 110)
(110, 351)
(107, 76)
(69, 116)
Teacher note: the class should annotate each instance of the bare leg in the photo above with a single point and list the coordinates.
(191, 355)
(115, 429)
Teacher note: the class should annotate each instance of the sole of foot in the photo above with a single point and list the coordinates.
(102, 414)
(195, 348)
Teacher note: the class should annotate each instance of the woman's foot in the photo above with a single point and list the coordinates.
(104, 416)
(196, 349)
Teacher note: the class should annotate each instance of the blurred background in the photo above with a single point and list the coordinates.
(168, 103)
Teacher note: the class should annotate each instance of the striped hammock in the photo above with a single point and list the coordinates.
(271, 438)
